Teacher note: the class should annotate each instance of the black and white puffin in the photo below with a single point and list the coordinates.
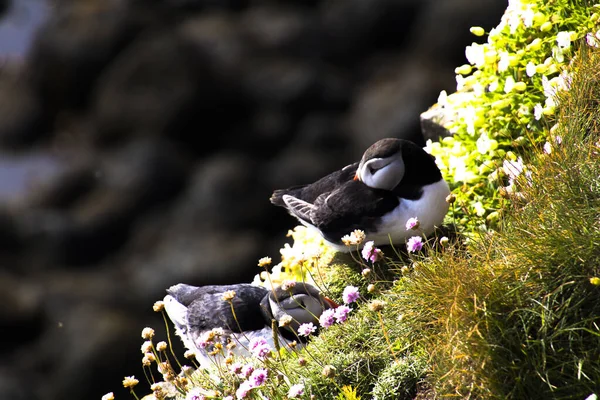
(196, 311)
(394, 181)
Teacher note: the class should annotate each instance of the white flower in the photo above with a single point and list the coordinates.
(527, 16)
(538, 111)
(563, 81)
(547, 148)
(475, 54)
(530, 69)
(548, 86)
(504, 62)
(563, 39)
(443, 99)
(485, 144)
(509, 84)
(558, 54)
(479, 209)
(593, 40)
(513, 168)
(493, 86)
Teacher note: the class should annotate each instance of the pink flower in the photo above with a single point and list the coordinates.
(288, 284)
(327, 318)
(371, 253)
(350, 294)
(341, 313)
(259, 348)
(243, 390)
(414, 244)
(247, 370)
(236, 368)
(306, 329)
(412, 223)
(258, 377)
(296, 390)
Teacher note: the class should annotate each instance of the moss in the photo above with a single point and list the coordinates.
(399, 380)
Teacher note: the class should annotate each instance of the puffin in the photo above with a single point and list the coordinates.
(206, 315)
(395, 180)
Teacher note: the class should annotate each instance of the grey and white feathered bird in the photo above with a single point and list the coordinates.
(202, 317)
(394, 181)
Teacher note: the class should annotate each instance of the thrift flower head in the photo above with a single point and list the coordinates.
(111, 396)
(146, 347)
(593, 40)
(350, 294)
(414, 244)
(147, 333)
(288, 284)
(158, 306)
(243, 390)
(285, 320)
(371, 253)
(258, 377)
(148, 359)
(377, 305)
(236, 368)
(247, 370)
(259, 348)
(595, 281)
(189, 354)
(328, 371)
(306, 329)
(229, 295)
(130, 382)
(296, 390)
(327, 318)
(161, 346)
(341, 313)
(412, 223)
(355, 238)
(194, 394)
(263, 262)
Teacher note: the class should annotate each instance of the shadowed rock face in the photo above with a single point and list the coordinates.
(140, 142)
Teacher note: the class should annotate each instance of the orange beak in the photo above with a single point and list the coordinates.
(355, 177)
(331, 303)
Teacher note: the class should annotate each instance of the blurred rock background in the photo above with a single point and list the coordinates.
(140, 141)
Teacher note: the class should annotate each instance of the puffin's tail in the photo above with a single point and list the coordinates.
(277, 197)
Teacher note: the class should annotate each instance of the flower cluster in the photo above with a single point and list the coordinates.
(354, 238)
(506, 99)
(259, 348)
(371, 253)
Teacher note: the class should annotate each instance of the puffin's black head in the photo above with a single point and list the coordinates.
(389, 162)
(303, 302)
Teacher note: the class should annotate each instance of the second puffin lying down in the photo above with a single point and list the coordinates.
(198, 310)
(395, 180)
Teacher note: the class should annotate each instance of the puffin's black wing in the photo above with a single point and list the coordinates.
(352, 206)
(310, 192)
(206, 308)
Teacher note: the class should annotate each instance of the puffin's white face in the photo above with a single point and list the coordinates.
(381, 173)
(303, 308)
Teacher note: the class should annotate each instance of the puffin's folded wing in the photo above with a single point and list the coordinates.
(299, 208)
(352, 206)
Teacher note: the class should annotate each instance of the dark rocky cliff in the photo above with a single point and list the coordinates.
(140, 142)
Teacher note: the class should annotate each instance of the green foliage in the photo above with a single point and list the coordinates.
(505, 105)
(399, 380)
